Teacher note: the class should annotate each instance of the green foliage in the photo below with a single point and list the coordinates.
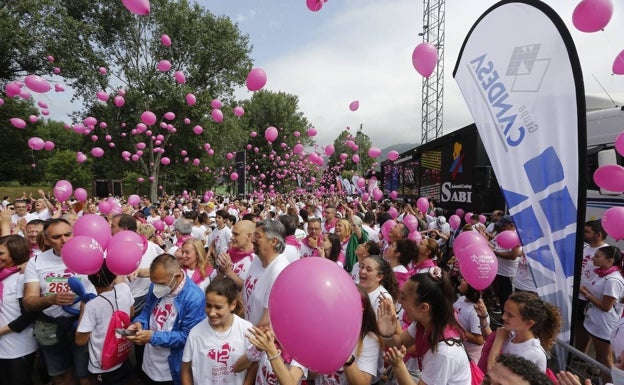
(350, 168)
(62, 165)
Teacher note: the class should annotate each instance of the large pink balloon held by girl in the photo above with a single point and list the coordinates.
(314, 308)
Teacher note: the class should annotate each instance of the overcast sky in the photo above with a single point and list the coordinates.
(361, 50)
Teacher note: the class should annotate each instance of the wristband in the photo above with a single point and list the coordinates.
(277, 355)
(482, 317)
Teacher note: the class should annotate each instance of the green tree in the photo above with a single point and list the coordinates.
(62, 165)
(209, 50)
(341, 145)
(274, 161)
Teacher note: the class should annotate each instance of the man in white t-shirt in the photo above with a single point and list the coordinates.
(595, 236)
(314, 240)
(20, 219)
(46, 289)
(235, 262)
(269, 246)
(507, 263)
(219, 239)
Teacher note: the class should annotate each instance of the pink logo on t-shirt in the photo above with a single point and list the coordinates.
(221, 356)
(161, 314)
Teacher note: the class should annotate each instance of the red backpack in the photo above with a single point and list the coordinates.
(116, 348)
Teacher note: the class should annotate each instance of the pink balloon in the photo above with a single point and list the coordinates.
(314, 5)
(482, 219)
(613, 222)
(618, 65)
(302, 296)
(217, 115)
(468, 217)
(179, 77)
(59, 88)
(198, 130)
(191, 100)
(37, 84)
(102, 96)
(386, 227)
(592, 15)
(411, 222)
(164, 65)
(165, 40)
(234, 176)
(361, 182)
(393, 212)
(329, 149)
(298, 149)
(36, 143)
(270, 134)
(12, 89)
(256, 79)
(377, 194)
(134, 200)
(619, 143)
(80, 157)
(148, 117)
(415, 236)
(239, 111)
(17, 122)
(374, 152)
(123, 257)
(355, 158)
(138, 7)
(83, 255)
(164, 160)
(48, 145)
(423, 205)
(393, 195)
(81, 196)
(466, 239)
(311, 131)
(459, 212)
(97, 152)
(104, 207)
(425, 58)
(478, 264)
(119, 101)
(508, 239)
(393, 155)
(169, 219)
(454, 222)
(62, 190)
(159, 225)
(216, 104)
(93, 226)
(354, 105)
(610, 177)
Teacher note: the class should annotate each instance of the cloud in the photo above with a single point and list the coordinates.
(246, 17)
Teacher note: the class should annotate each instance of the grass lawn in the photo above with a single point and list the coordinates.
(18, 191)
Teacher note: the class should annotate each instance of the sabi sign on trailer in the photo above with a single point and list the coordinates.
(520, 75)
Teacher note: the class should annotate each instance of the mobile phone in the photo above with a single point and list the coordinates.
(126, 332)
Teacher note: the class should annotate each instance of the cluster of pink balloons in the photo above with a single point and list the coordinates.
(84, 253)
(477, 261)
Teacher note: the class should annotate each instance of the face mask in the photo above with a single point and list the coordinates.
(162, 290)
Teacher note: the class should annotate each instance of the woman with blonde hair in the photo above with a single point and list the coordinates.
(350, 237)
(195, 263)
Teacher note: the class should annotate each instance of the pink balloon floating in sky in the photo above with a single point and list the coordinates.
(354, 105)
(592, 15)
(425, 58)
(138, 7)
(256, 79)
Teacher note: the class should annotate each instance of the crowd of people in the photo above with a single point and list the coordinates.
(199, 298)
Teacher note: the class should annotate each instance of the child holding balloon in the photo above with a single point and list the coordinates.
(216, 343)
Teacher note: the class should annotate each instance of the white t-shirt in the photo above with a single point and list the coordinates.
(376, 295)
(367, 361)
(241, 268)
(221, 239)
(587, 267)
(199, 232)
(51, 273)
(15, 218)
(306, 251)
(468, 318)
(601, 323)
(96, 318)
(449, 365)
(213, 353)
(258, 284)
(292, 253)
(44, 214)
(140, 286)
(524, 279)
(373, 234)
(14, 345)
(506, 267)
(530, 349)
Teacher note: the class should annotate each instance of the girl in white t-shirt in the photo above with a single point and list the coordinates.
(362, 367)
(604, 310)
(434, 333)
(530, 328)
(113, 294)
(17, 344)
(215, 344)
(470, 320)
